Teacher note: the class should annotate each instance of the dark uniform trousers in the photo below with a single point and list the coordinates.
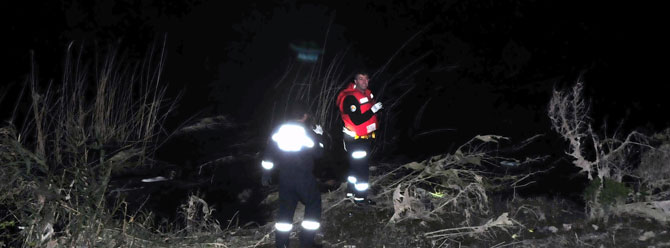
(358, 167)
(303, 188)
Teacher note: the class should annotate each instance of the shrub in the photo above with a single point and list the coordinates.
(56, 166)
(603, 194)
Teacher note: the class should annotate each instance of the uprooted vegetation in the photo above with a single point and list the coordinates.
(465, 199)
(628, 173)
(448, 196)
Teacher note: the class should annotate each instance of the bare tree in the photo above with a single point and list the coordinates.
(569, 114)
(609, 158)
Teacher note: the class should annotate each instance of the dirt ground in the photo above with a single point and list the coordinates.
(538, 222)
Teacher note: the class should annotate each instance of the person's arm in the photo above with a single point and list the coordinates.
(268, 162)
(318, 141)
(352, 108)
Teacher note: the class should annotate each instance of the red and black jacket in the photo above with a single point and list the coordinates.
(355, 110)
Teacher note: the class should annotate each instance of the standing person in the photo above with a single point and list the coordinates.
(358, 109)
(292, 151)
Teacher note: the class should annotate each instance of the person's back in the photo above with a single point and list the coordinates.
(292, 150)
(292, 160)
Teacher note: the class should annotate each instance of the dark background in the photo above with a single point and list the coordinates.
(490, 66)
(485, 67)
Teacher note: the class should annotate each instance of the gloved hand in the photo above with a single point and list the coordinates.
(318, 130)
(266, 179)
(376, 107)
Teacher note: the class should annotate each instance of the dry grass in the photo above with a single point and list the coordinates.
(56, 167)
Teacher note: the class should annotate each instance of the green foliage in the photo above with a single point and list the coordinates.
(6, 224)
(606, 192)
(591, 191)
(614, 192)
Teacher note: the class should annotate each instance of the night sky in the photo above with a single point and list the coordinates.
(477, 67)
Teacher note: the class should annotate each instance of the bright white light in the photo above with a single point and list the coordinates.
(362, 186)
(321, 144)
(358, 198)
(291, 138)
(351, 179)
(359, 154)
(283, 227)
(310, 225)
(267, 165)
(154, 179)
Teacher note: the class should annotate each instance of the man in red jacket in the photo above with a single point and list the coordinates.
(358, 109)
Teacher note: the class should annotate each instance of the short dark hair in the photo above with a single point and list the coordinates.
(297, 110)
(361, 73)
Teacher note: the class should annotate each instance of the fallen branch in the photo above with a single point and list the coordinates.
(501, 222)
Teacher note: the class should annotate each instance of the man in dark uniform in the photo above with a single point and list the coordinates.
(358, 109)
(292, 150)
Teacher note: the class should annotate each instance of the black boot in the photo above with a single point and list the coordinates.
(282, 239)
(307, 238)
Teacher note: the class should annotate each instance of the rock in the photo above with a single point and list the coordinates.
(567, 227)
(646, 236)
(552, 229)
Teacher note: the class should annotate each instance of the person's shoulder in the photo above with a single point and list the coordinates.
(346, 92)
(349, 87)
(350, 98)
